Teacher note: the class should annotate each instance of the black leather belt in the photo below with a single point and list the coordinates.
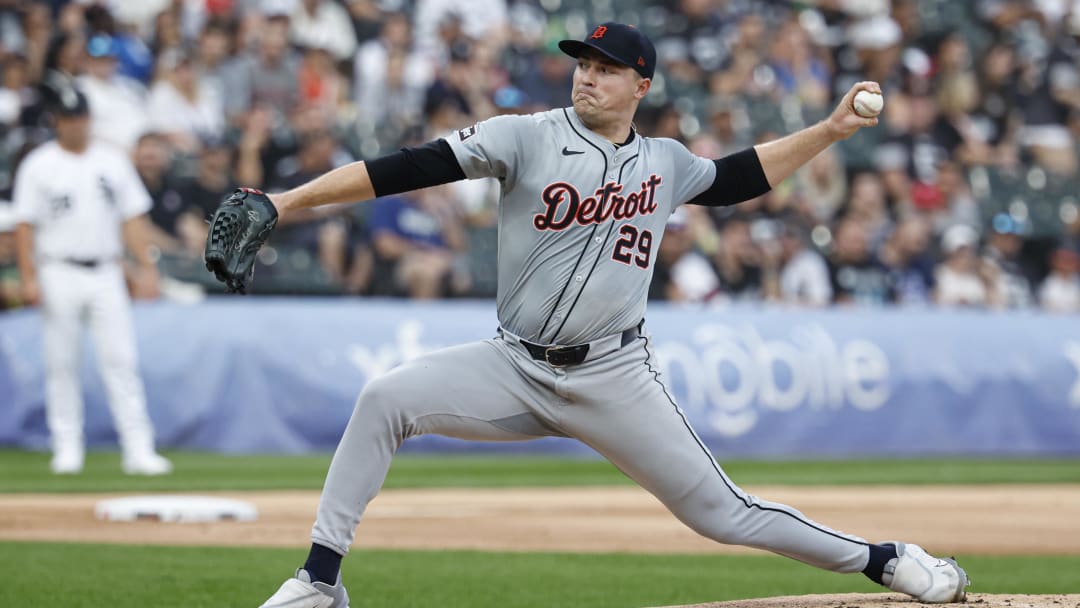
(82, 263)
(563, 356)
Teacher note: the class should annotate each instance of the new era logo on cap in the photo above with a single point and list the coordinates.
(619, 42)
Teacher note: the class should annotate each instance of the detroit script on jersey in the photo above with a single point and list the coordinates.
(564, 205)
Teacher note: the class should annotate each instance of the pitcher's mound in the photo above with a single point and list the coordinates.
(892, 600)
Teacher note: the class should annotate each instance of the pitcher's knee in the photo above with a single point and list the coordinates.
(714, 515)
(383, 402)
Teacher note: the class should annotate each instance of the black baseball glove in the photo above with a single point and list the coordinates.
(238, 229)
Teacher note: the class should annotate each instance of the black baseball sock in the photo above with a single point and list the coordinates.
(879, 557)
(323, 564)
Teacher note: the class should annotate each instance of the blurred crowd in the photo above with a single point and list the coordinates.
(965, 195)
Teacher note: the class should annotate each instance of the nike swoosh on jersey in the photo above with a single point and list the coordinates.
(569, 152)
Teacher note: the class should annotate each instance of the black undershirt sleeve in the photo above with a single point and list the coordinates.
(739, 177)
(407, 169)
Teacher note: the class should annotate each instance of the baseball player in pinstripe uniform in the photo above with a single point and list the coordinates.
(583, 207)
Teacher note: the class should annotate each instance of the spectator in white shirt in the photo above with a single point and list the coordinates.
(324, 24)
(959, 281)
(117, 103)
(181, 106)
(478, 20)
(1060, 292)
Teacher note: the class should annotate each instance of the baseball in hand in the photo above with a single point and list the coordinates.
(867, 104)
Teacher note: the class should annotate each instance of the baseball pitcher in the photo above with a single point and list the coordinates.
(583, 206)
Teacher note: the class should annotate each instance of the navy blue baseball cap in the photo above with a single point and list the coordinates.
(619, 42)
(70, 102)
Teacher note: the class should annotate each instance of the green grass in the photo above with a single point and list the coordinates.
(28, 472)
(75, 575)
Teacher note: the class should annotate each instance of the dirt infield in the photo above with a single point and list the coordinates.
(1020, 519)
(889, 600)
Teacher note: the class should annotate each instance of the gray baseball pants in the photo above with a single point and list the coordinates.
(614, 402)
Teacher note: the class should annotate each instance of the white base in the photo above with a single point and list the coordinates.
(175, 509)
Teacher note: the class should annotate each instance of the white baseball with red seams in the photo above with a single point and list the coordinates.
(868, 104)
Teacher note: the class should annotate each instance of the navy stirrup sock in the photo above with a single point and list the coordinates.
(879, 557)
(323, 564)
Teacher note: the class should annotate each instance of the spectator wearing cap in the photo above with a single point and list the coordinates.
(181, 106)
(682, 273)
(960, 279)
(267, 75)
(117, 103)
(804, 275)
(324, 24)
(1060, 291)
(856, 276)
(1002, 255)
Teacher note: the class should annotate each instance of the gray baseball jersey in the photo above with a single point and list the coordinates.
(580, 220)
(579, 226)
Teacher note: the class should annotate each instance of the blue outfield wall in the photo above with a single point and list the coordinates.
(281, 375)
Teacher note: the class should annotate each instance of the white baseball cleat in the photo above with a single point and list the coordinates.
(924, 577)
(148, 464)
(300, 592)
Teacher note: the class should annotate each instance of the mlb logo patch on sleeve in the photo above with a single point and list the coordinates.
(467, 133)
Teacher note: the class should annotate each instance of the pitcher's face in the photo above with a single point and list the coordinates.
(603, 88)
